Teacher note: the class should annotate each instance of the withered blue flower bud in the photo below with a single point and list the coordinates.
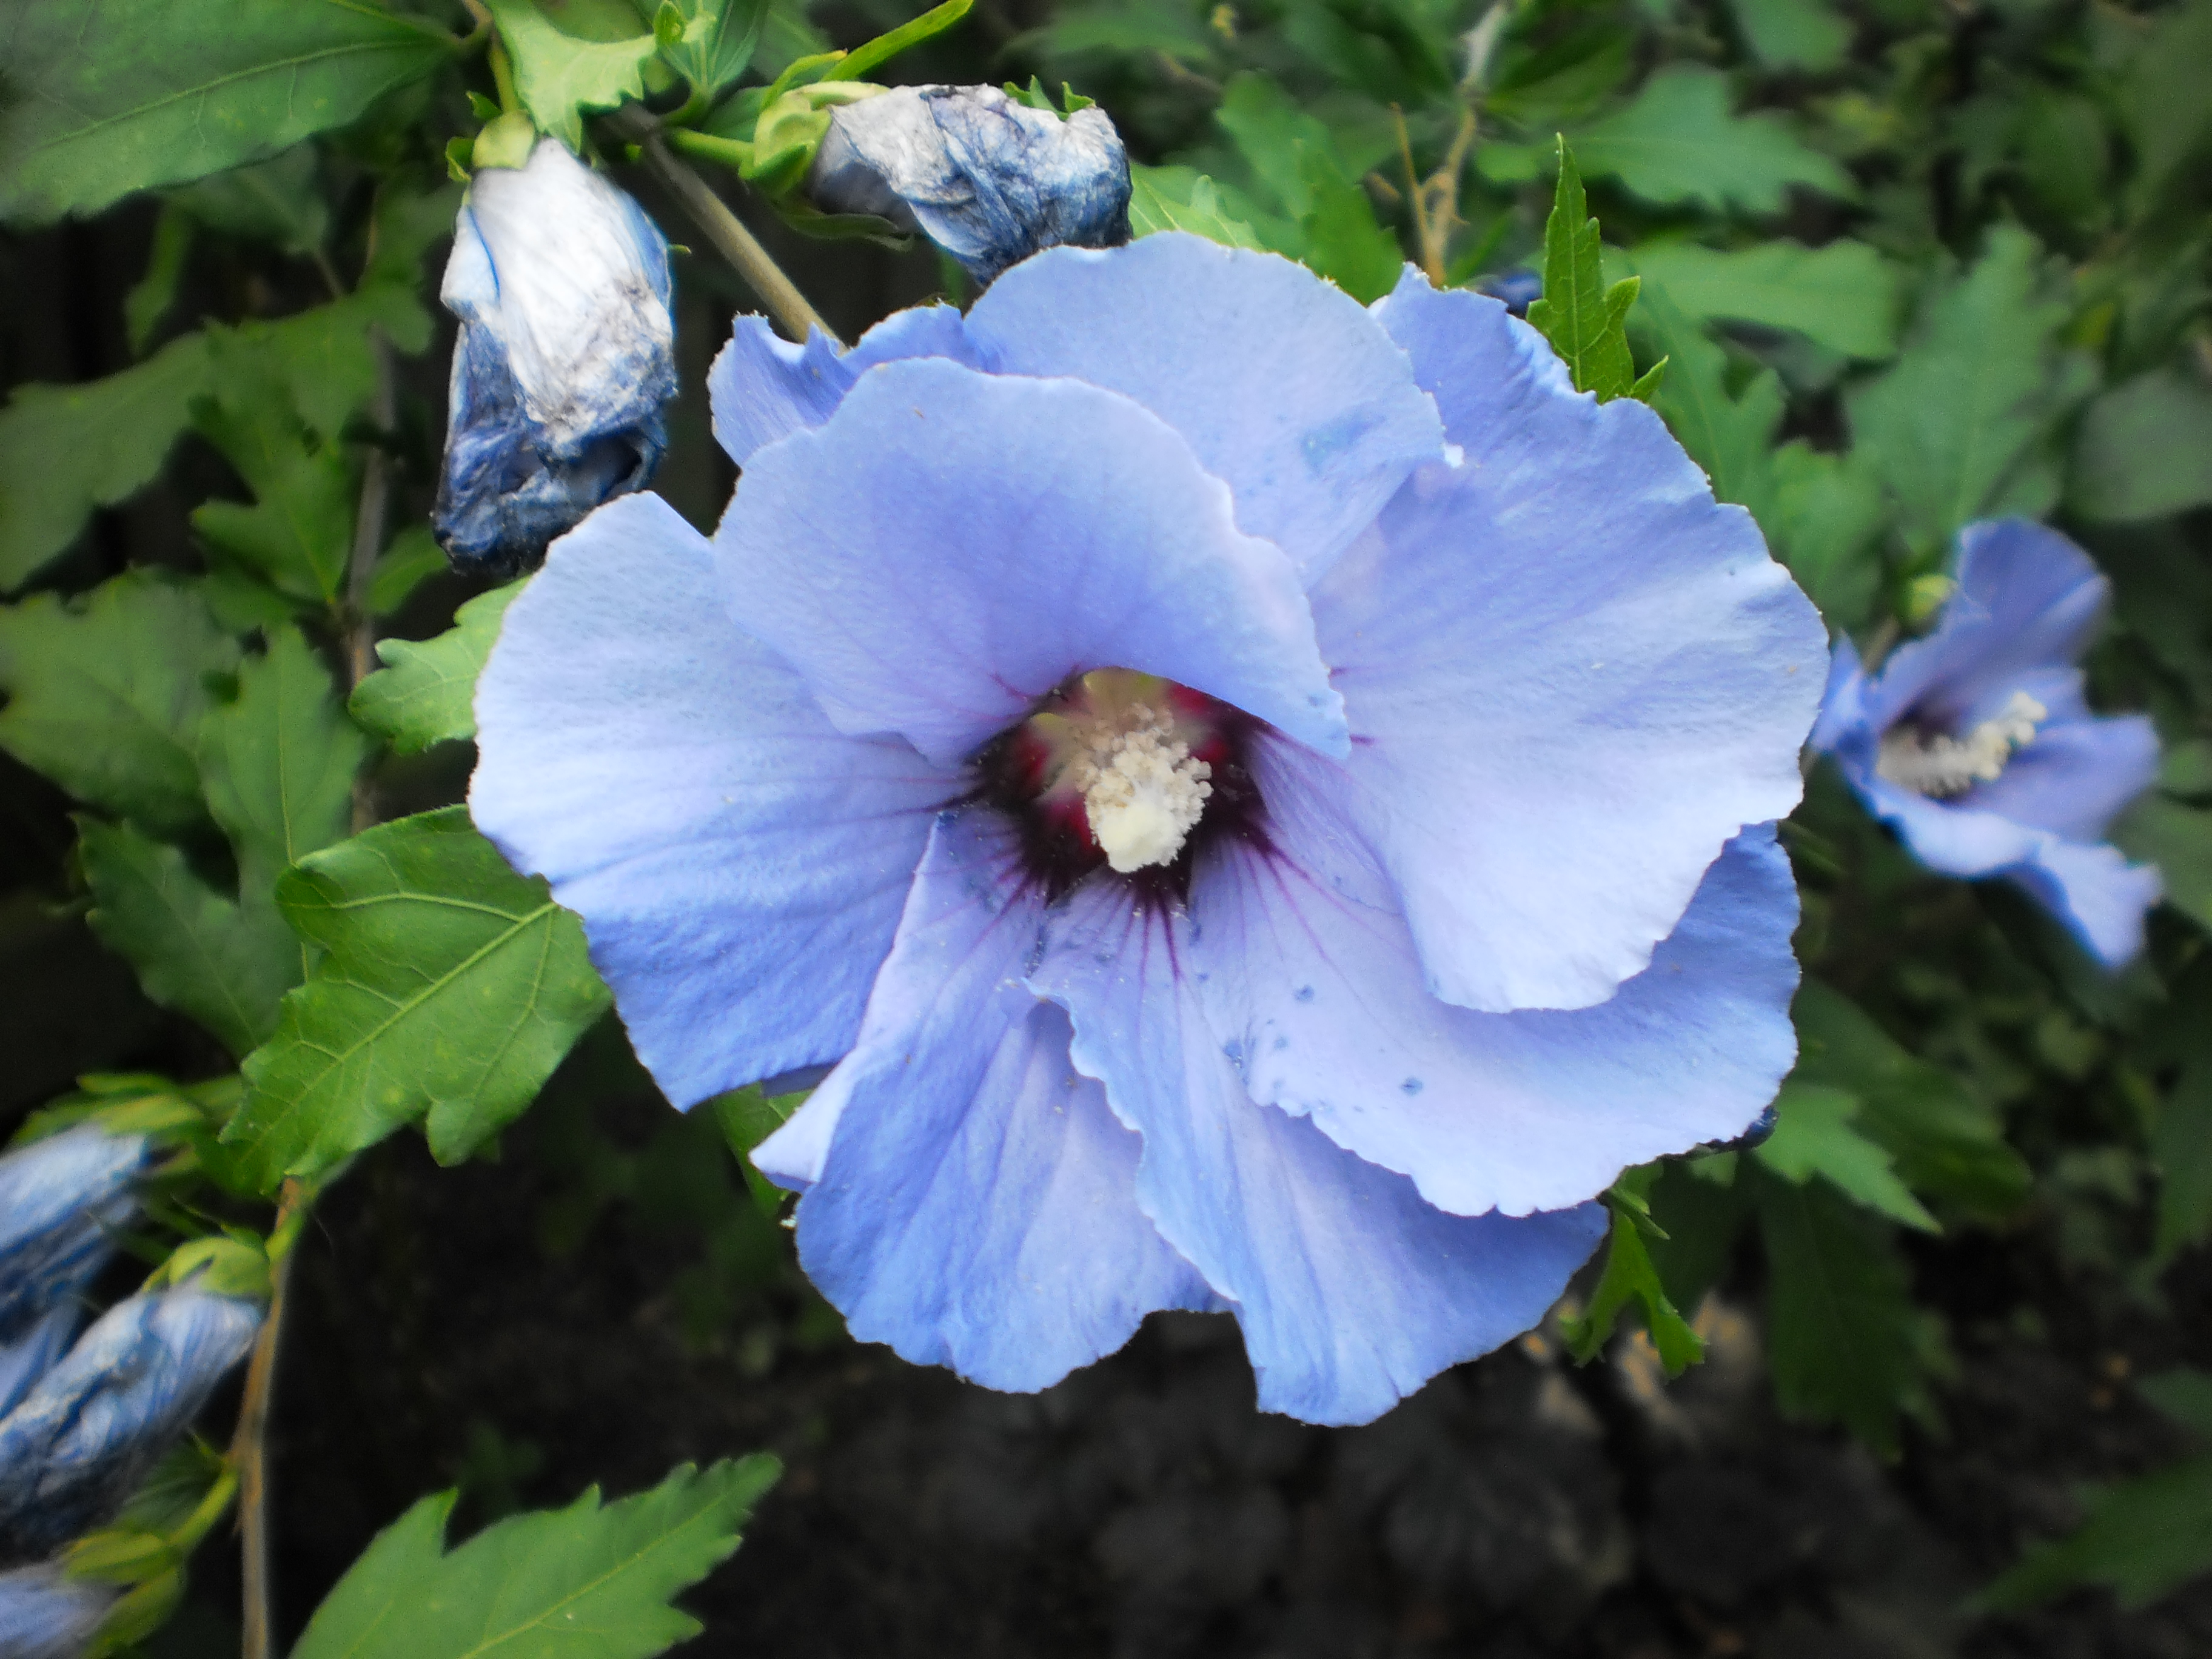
(990, 180)
(565, 361)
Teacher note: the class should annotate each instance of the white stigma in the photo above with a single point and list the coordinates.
(1942, 766)
(1142, 790)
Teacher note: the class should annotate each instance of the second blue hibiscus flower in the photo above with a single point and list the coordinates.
(1977, 745)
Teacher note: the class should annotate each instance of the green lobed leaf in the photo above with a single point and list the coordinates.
(2185, 770)
(1585, 321)
(1824, 515)
(1560, 83)
(1814, 1135)
(2144, 1538)
(195, 951)
(1183, 198)
(2156, 829)
(1393, 54)
(1177, 32)
(588, 1582)
(1344, 241)
(2144, 448)
(450, 989)
(1731, 435)
(111, 96)
(412, 559)
(1804, 34)
(277, 764)
(2181, 1146)
(1843, 295)
(1845, 1342)
(746, 1117)
(1678, 141)
(106, 693)
(425, 693)
(561, 78)
(280, 201)
(1272, 134)
(1948, 1145)
(1702, 1208)
(65, 450)
(297, 535)
(717, 42)
(1326, 221)
(1964, 425)
(1628, 1277)
(2162, 100)
(152, 296)
(2184, 1395)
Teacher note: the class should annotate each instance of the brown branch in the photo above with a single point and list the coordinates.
(735, 243)
(249, 1444)
(1436, 198)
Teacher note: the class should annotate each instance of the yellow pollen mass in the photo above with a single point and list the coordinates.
(1141, 790)
(1941, 766)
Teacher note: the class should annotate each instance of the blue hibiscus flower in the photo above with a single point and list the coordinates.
(1976, 745)
(1263, 802)
(564, 363)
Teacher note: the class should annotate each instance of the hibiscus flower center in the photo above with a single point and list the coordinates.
(1941, 764)
(1121, 768)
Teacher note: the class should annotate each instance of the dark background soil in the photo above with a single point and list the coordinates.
(1516, 1506)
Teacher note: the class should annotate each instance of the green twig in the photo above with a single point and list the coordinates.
(502, 76)
(735, 243)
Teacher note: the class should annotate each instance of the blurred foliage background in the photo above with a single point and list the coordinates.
(1910, 262)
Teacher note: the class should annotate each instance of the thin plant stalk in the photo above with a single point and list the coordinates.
(730, 239)
(249, 1446)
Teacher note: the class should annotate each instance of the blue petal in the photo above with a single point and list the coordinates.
(2095, 892)
(1844, 722)
(952, 545)
(62, 1201)
(1571, 679)
(978, 1207)
(1282, 384)
(30, 1356)
(94, 1425)
(739, 866)
(2074, 778)
(2027, 599)
(1484, 368)
(502, 497)
(762, 387)
(1308, 973)
(1352, 1292)
(1951, 839)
